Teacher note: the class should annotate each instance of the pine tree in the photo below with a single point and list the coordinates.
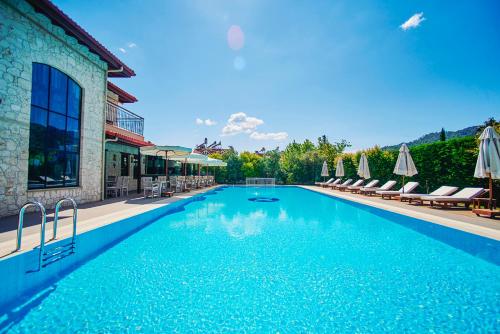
(442, 135)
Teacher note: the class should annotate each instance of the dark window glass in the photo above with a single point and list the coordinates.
(36, 168)
(125, 164)
(54, 145)
(55, 167)
(57, 130)
(40, 86)
(72, 135)
(71, 172)
(74, 96)
(38, 128)
(58, 91)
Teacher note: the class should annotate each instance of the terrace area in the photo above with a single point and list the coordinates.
(124, 119)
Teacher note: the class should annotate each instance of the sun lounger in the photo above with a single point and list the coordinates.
(417, 198)
(334, 183)
(327, 182)
(346, 183)
(389, 194)
(464, 196)
(355, 189)
(371, 190)
(356, 184)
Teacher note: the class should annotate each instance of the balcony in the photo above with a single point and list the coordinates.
(124, 119)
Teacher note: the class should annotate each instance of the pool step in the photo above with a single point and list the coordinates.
(57, 254)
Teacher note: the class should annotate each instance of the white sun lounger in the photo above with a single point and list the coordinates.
(355, 189)
(407, 188)
(355, 184)
(334, 183)
(371, 190)
(346, 183)
(327, 182)
(464, 196)
(441, 191)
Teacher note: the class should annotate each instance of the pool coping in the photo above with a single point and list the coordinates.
(388, 205)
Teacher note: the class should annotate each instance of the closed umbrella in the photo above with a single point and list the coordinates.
(339, 170)
(324, 170)
(363, 169)
(405, 165)
(488, 161)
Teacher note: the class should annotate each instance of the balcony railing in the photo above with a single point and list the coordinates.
(123, 118)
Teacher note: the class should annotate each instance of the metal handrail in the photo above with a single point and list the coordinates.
(56, 216)
(21, 222)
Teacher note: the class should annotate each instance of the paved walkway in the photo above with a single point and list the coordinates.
(461, 219)
(90, 216)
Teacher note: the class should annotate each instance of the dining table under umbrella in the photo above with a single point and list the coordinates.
(405, 165)
(166, 151)
(363, 168)
(324, 170)
(488, 160)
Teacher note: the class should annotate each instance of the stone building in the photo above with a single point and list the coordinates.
(53, 100)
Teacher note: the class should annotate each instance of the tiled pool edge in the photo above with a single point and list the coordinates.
(14, 291)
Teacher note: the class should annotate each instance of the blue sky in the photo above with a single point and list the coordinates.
(346, 69)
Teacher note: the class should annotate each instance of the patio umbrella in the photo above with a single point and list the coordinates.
(363, 169)
(488, 161)
(405, 165)
(324, 170)
(339, 170)
(165, 151)
(192, 158)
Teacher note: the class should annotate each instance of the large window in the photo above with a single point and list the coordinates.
(54, 146)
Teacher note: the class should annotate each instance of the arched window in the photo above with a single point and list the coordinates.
(54, 146)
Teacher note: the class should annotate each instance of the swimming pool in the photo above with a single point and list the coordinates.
(281, 259)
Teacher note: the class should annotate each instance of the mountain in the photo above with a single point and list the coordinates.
(434, 136)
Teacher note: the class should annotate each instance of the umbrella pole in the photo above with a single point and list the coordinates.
(199, 169)
(490, 202)
(403, 184)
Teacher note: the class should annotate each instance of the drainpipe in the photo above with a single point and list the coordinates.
(103, 157)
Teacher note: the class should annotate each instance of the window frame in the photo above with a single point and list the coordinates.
(64, 183)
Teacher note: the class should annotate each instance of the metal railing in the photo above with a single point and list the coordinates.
(124, 119)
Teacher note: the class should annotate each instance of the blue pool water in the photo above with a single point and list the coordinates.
(303, 263)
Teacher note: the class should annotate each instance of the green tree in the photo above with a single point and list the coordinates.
(442, 135)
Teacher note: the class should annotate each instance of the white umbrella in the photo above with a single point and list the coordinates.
(165, 151)
(488, 161)
(324, 169)
(405, 165)
(363, 169)
(339, 170)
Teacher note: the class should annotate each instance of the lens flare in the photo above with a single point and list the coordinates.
(239, 63)
(235, 38)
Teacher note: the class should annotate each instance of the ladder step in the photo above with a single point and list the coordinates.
(54, 259)
(59, 250)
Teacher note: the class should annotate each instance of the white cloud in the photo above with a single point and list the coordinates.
(122, 50)
(278, 136)
(207, 122)
(413, 21)
(131, 45)
(240, 123)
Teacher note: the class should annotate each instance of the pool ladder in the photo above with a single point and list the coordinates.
(46, 258)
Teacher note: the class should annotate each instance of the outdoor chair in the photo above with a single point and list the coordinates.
(389, 194)
(464, 196)
(419, 198)
(355, 189)
(371, 190)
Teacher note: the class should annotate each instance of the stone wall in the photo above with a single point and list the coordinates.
(27, 37)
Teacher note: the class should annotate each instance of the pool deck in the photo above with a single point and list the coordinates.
(90, 216)
(94, 215)
(460, 218)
